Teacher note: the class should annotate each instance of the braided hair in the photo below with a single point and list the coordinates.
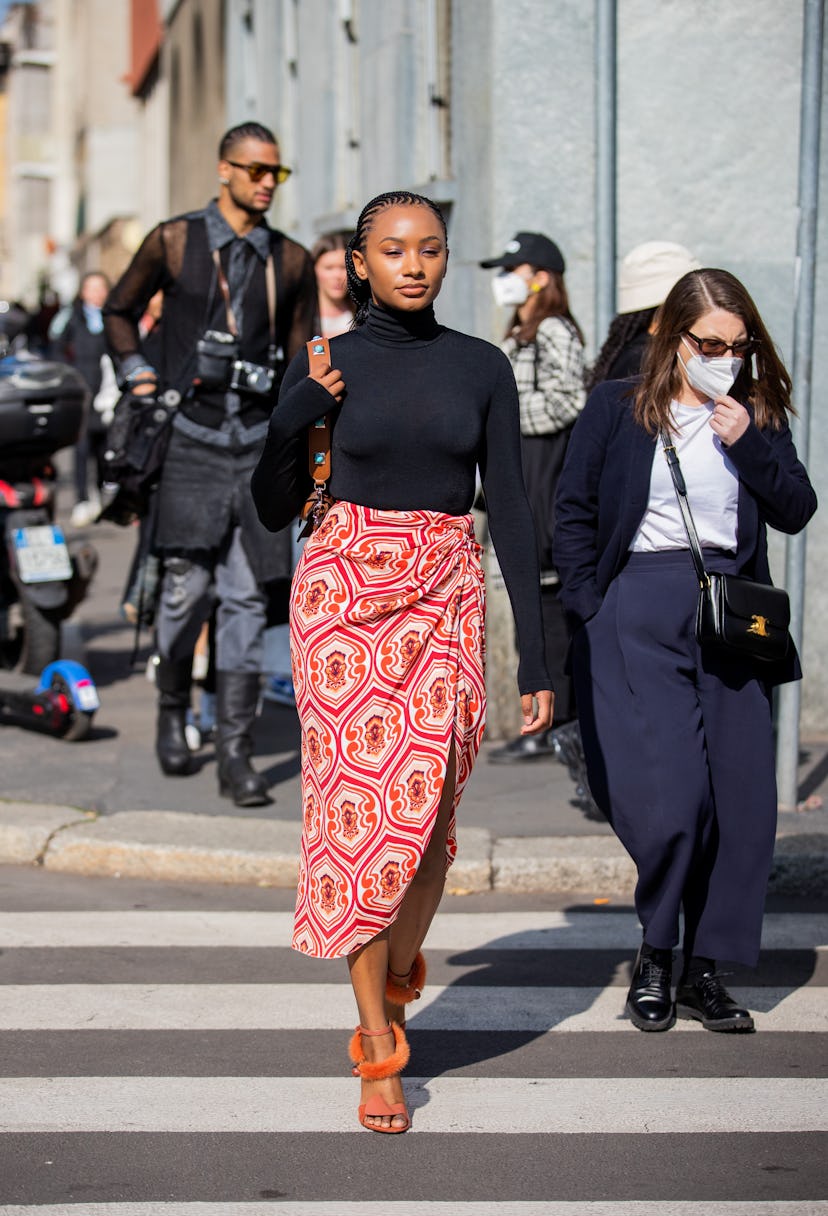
(623, 328)
(360, 289)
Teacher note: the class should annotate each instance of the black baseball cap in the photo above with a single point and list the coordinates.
(532, 248)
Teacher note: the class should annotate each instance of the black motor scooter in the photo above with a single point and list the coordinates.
(42, 578)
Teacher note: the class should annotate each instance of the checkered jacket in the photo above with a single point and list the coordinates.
(550, 377)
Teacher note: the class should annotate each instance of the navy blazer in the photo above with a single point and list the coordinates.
(605, 484)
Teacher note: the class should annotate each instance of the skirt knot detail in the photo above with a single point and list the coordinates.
(387, 644)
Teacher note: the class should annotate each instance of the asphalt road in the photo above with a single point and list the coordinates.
(160, 1046)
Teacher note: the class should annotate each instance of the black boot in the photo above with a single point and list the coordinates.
(172, 679)
(237, 696)
(524, 747)
(702, 995)
(649, 1002)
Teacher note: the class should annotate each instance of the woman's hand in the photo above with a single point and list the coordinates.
(537, 719)
(730, 419)
(330, 379)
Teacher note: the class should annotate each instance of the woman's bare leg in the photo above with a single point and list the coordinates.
(368, 967)
(396, 948)
(407, 934)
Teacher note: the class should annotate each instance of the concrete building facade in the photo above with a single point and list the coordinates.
(29, 153)
(489, 106)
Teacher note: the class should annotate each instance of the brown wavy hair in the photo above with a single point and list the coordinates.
(551, 301)
(768, 392)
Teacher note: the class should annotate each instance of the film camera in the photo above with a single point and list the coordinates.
(219, 367)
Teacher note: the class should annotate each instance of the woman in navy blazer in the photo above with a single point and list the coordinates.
(679, 743)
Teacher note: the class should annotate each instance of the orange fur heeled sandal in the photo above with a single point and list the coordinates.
(401, 989)
(377, 1107)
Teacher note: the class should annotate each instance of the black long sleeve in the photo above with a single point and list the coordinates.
(424, 407)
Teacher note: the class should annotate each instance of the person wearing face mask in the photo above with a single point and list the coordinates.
(678, 741)
(545, 346)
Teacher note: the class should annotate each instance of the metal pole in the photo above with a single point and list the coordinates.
(605, 171)
(787, 746)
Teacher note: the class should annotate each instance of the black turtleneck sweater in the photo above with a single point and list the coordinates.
(424, 406)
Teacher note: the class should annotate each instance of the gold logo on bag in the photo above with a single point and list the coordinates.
(759, 626)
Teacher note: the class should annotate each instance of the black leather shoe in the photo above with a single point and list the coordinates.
(237, 695)
(525, 747)
(239, 781)
(171, 748)
(649, 1002)
(708, 1001)
(172, 679)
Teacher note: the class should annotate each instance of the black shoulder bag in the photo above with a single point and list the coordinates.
(735, 615)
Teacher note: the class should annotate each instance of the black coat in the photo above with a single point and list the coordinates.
(604, 489)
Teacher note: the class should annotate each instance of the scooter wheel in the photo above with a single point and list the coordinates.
(80, 721)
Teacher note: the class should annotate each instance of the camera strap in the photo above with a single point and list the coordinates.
(270, 288)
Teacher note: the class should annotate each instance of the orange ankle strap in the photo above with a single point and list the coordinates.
(402, 989)
(389, 1067)
(375, 1033)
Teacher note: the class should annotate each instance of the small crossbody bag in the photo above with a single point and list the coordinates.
(735, 615)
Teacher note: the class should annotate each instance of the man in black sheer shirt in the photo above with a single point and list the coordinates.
(239, 301)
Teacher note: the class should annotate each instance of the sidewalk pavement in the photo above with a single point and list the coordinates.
(566, 853)
(102, 807)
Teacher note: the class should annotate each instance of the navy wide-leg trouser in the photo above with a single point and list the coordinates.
(679, 752)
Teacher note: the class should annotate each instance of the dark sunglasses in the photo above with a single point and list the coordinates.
(713, 348)
(256, 171)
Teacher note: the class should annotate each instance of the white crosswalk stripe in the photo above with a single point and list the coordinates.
(443, 1104)
(189, 1134)
(450, 931)
(331, 1007)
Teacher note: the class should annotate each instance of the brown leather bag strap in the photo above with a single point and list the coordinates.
(319, 435)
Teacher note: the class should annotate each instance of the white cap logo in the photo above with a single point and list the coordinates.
(512, 247)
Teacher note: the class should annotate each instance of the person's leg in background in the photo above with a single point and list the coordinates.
(184, 605)
(556, 644)
(83, 511)
(241, 617)
(278, 681)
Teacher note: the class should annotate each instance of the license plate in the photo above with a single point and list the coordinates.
(42, 556)
(86, 697)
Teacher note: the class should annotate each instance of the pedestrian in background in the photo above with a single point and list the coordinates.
(387, 619)
(336, 308)
(545, 347)
(81, 342)
(648, 272)
(239, 297)
(679, 740)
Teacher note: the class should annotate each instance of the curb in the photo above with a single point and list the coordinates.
(176, 847)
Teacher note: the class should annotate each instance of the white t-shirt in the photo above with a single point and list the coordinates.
(712, 488)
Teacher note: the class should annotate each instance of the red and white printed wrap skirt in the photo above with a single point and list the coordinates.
(386, 626)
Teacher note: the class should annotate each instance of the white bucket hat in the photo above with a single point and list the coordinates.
(649, 271)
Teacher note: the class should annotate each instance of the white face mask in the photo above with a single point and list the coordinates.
(714, 377)
(510, 289)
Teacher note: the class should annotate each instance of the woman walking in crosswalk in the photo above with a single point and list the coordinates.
(677, 734)
(387, 620)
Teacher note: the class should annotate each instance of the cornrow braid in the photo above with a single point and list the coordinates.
(623, 328)
(360, 289)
